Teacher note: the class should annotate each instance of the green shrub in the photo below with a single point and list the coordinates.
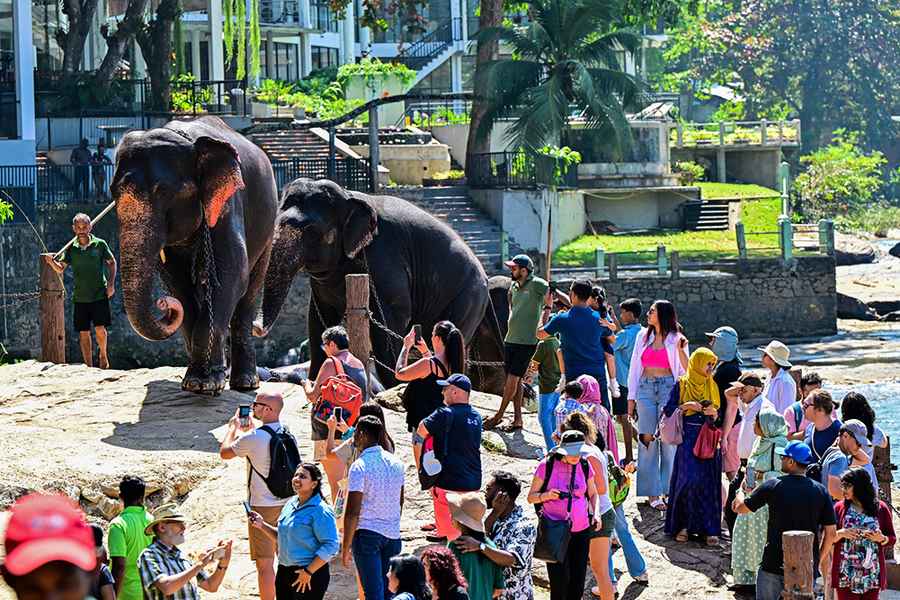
(840, 179)
(185, 97)
(730, 110)
(688, 172)
(273, 91)
(449, 175)
(877, 220)
(371, 69)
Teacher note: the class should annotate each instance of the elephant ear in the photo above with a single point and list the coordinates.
(360, 226)
(218, 174)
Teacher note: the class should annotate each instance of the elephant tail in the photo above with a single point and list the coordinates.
(486, 353)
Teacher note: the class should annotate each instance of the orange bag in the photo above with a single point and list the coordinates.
(339, 391)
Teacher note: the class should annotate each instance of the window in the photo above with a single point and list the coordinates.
(284, 65)
(322, 17)
(323, 57)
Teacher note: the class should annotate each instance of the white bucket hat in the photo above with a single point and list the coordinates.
(778, 352)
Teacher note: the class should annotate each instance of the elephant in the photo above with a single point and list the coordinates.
(196, 202)
(420, 272)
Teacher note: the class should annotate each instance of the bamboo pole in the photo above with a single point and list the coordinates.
(94, 221)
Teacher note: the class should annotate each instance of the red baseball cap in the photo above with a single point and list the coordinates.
(45, 528)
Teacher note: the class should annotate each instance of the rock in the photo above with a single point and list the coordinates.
(493, 442)
(392, 398)
(883, 307)
(849, 307)
(605, 227)
(895, 250)
(850, 250)
(891, 317)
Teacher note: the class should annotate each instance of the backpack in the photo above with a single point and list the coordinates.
(814, 471)
(284, 458)
(338, 390)
(619, 481)
(549, 471)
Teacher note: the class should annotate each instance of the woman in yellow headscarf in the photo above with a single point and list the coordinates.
(695, 489)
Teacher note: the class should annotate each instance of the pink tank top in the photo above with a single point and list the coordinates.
(652, 358)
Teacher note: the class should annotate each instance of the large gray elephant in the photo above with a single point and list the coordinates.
(420, 270)
(196, 202)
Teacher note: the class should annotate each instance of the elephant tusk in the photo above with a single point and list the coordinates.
(162, 255)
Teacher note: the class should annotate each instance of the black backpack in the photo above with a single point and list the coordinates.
(284, 458)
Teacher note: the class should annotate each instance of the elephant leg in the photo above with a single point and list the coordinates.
(243, 353)
(176, 276)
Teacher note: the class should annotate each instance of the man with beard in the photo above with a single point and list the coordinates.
(165, 572)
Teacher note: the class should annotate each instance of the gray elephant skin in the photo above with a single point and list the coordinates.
(196, 203)
(420, 270)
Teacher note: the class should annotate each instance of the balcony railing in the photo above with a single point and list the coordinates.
(431, 45)
(736, 133)
(515, 170)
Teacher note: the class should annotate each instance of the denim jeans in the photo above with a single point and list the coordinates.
(769, 585)
(633, 558)
(372, 553)
(654, 461)
(546, 404)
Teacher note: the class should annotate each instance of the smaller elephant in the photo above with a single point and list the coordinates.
(196, 203)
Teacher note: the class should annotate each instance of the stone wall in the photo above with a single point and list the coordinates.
(760, 298)
(20, 330)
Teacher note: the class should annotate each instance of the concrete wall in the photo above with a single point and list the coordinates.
(523, 214)
(637, 209)
(794, 301)
(744, 165)
(19, 320)
(409, 164)
(388, 114)
(457, 137)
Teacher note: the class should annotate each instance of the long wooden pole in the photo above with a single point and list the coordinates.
(94, 221)
(549, 236)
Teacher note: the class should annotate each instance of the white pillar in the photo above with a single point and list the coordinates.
(348, 55)
(464, 13)
(24, 61)
(216, 48)
(305, 18)
(365, 40)
(195, 53)
(456, 77)
(455, 22)
(305, 54)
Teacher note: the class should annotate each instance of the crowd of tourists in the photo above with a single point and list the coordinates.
(712, 446)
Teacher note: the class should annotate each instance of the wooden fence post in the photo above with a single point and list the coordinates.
(798, 565)
(358, 315)
(675, 265)
(786, 238)
(599, 261)
(613, 267)
(881, 461)
(763, 133)
(826, 237)
(53, 314)
(661, 263)
(504, 247)
(740, 234)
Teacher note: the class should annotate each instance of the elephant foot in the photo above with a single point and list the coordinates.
(244, 382)
(198, 383)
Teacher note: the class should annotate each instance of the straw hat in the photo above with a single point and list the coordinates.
(468, 508)
(165, 513)
(778, 352)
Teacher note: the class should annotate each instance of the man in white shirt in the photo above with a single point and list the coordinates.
(780, 388)
(245, 441)
(747, 392)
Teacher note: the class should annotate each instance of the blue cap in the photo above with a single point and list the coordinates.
(799, 451)
(457, 380)
(521, 260)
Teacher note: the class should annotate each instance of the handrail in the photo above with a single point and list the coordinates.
(431, 45)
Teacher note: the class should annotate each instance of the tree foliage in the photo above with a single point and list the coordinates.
(374, 13)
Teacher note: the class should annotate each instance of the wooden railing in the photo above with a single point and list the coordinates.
(736, 133)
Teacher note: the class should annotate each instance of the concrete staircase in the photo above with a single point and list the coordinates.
(713, 216)
(453, 205)
(287, 144)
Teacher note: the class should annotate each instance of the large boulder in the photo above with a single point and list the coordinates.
(849, 250)
(895, 250)
(849, 307)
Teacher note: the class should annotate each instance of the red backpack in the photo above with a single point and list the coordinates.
(338, 391)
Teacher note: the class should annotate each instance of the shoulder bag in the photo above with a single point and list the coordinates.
(671, 429)
(707, 441)
(338, 391)
(553, 535)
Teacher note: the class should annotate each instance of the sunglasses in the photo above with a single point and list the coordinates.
(259, 404)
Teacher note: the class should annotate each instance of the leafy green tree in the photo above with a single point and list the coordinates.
(564, 62)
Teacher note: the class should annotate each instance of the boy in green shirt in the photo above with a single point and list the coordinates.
(483, 576)
(90, 258)
(548, 364)
(127, 539)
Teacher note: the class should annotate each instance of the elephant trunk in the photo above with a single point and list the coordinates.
(283, 266)
(140, 252)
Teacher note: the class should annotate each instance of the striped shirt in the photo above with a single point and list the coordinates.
(159, 560)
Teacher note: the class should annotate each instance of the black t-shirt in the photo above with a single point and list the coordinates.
(458, 428)
(796, 503)
(725, 374)
(820, 441)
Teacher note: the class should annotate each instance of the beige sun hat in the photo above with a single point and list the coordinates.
(778, 352)
(165, 513)
(468, 508)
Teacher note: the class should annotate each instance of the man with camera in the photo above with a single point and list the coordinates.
(244, 441)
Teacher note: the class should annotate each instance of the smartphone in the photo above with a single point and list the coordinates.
(338, 413)
(244, 414)
(705, 403)
(246, 507)
(417, 331)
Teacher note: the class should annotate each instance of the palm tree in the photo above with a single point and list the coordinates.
(565, 62)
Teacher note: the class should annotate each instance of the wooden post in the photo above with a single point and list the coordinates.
(599, 261)
(722, 133)
(358, 315)
(53, 314)
(679, 139)
(661, 262)
(786, 238)
(374, 150)
(613, 267)
(797, 374)
(798, 565)
(675, 264)
(881, 461)
(549, 237)
(763, 133)
(740, 234)
(826, 237)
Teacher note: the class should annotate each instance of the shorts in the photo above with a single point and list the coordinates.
(620, 404)
(607, 525)
(96, 312)
(262, 546)
(517, 358)
(731, 461)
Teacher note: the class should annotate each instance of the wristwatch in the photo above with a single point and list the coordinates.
(482, 547)
(307, 571)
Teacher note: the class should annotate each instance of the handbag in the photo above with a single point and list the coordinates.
(707, 441)
(671, 429)
(553, 535)
(338, 391)
(430, 466)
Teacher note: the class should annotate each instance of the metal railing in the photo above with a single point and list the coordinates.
(431, 45)
(349, 173)
(209, 97)
(430, 113)
(736, 133)
(514, 170)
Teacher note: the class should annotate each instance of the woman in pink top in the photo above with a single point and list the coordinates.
(660, 356)
(592, 403)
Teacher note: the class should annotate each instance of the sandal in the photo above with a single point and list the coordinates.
(659, 504)
(511, 428)
(428, 527)
(681, 537)
(712, 541)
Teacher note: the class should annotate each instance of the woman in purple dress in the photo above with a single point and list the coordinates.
(695, 489)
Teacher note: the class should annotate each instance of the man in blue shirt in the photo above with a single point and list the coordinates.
(581, 337)
(629, 318)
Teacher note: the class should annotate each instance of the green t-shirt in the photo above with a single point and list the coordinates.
(482, 575)
(525, 304)
(548, 364)
(127, 540)
(88, 269)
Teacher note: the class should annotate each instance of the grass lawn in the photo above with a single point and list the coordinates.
(757, 216)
